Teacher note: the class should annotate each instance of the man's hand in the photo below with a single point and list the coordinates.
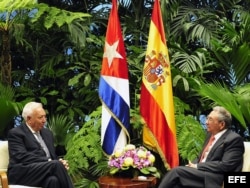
(192, 165)
(65, 163)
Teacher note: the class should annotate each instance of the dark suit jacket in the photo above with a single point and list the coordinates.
(24, 149)
(225, 156)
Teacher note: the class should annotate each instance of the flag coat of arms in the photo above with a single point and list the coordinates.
(156, 102)
(114, 88)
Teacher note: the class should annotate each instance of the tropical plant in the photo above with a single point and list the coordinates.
(43, 58)
(207, 41)
(236, 101)
(189, 132)
(60, 66)
(13, 16)
(9, 109)
(190, 137)
(84, 153)
(63, 130)
(9, 9)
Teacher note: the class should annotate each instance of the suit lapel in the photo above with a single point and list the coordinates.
(30, 134)
(46, 137)
(221, 139)
(218, 143)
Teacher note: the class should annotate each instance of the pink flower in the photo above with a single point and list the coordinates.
(131, 157)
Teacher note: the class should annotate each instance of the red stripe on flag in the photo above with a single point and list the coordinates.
(158, 125)
(157, 19)
(156, 102)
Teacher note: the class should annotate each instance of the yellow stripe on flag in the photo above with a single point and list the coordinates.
(156, 102)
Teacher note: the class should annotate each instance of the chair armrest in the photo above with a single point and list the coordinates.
(4, 180)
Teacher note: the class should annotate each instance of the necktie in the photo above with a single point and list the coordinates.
(42, 143)
(207, 148)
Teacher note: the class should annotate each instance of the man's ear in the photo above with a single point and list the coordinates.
(222, 125)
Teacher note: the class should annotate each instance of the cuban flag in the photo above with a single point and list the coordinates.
(114, 88)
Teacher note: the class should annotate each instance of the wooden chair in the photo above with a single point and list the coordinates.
(4, 161)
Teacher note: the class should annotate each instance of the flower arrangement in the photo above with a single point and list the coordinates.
(133, 158)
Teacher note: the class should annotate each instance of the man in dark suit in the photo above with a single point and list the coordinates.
(223, 152)
(33, 160)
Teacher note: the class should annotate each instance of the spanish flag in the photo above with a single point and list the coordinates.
(114, 88)
(156, 102)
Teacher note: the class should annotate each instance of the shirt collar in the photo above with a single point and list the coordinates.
(219, 134)
(31, 128)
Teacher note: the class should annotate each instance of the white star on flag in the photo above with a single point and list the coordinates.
(111, 53)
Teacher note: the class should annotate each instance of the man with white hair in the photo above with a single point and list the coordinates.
(33, 160)
(222, 152)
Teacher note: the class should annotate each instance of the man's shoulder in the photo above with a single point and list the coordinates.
(19, 129)
(234, 134)
(14, 129)
(234, 137)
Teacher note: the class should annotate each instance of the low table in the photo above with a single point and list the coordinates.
(120, 182)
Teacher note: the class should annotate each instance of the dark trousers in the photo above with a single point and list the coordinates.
(50, 174)
(187, 177)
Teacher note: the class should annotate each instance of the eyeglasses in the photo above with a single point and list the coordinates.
(212, 120)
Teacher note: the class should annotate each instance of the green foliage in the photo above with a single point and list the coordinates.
(86, 183)
(204, 40)
(62, 128)
(190, 137)
(9, 108)
(84, 151)
(189, 63)
(73, 23)
(190, 134)
(151, 171)
(62, 16)
(6, 92)
(10, 5)
(230, 55)
(236, 101)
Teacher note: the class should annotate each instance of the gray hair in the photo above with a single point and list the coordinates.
(29, 109)
(223, 115)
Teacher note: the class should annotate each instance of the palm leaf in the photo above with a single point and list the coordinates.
(189, 63)
(61, 127)
(10, 5)
(242, 94)
(221, 95)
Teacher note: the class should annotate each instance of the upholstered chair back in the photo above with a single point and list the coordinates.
(4, 161)
(246, 159)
